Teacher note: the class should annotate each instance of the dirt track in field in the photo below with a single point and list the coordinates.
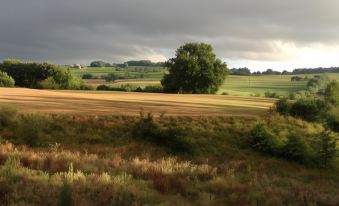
(124, 103)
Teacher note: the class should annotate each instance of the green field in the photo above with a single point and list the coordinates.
(252, 85)
(233, 85)
(131, 72)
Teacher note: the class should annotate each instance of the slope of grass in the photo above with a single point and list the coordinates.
(100, 162)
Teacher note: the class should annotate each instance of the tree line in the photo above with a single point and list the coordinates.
(142, 63)
(37, 75)
(246, 71)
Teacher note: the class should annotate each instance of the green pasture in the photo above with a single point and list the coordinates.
(233, 85)
(132, 72)
(258, 85)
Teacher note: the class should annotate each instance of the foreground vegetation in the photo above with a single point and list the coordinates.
(120, 160)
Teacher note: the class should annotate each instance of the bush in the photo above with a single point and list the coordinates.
(8, 116)
(269, 94)
(332, 93)
(111, 77)
(87, 76)
(325, 146)
(309, 109)
(30, 131)
(153, 89)
(283, 106)
(28, 74)
(296, 79)
(5, 80)
(63, 79)
(173, 137)
(295, 149)
(263, 140)
(103, 88)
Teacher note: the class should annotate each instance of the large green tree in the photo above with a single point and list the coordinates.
(195, 69)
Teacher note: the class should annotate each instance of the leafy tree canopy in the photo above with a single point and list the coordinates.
(5, 80)
(195, 69)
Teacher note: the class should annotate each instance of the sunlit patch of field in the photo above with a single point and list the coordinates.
(124, 103)
(258, 85)
(238, 85)
(118, 83)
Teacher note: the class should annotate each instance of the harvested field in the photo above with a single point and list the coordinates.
(124, 103)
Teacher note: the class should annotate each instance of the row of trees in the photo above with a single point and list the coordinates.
(38, 75)
(245, 71)
(144, 63)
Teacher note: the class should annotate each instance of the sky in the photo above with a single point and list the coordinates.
(258, 34)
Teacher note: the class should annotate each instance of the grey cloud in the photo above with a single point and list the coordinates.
(65, 31)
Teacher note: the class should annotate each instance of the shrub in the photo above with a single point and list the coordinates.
(173, 137)
(269, 94)
(111, 77)
(325, 146)
(296, 78)
(28, 74)
(333, 120)
(153, 89)
(5, 80)
(283, 106)
(332, 93)
(295, 149)
(62, 79)
(30, 131)
(263, 140)
(87, 76)
(8, 117)
(103, 88)
(309, 109)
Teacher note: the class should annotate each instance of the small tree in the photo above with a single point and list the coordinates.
(326, 148)
(6, 80)
(332, 93)
(111, 77)
(195, 69)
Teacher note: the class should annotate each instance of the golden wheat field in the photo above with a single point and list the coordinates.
(124, 103)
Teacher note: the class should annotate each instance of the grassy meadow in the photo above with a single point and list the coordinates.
(128, 160)
(233, 85)
(132, 72)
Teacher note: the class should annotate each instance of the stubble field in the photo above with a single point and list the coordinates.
(124, 103)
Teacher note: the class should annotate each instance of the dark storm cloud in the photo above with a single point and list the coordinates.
(66, 31)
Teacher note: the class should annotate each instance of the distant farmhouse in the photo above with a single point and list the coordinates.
(77, 66)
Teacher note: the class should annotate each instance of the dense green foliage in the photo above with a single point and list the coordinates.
(195, 69)
(240, 71)
(28, 74)
(315, 86)
(145, 63)
(63, 79)
(6, 80)
(87, 76)
(332, 93)
(41, 75)
(131, 88)
(111, 77)
(100, 64)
